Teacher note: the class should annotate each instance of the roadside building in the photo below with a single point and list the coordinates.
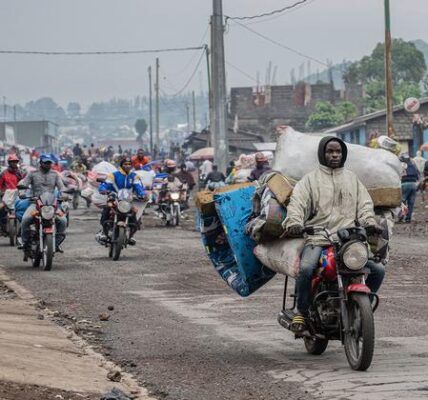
(41, 135)
(411, 129)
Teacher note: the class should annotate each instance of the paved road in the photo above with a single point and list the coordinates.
(185, 335)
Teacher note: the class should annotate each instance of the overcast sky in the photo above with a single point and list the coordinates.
(334, 29)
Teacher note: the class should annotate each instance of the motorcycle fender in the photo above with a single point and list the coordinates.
(121, 223)
(48, 229)
(358, 288)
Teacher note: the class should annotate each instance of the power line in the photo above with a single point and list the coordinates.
(268, 14)
(100, 53)
(242, 72)
(283, 46)
(193, 74)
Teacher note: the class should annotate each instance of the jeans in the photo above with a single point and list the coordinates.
(408, 197)
(27, 219)
(310, 262)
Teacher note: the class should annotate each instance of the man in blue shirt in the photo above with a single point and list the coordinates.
(124, 178)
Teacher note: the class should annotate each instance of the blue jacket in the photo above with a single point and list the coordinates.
(119, 180)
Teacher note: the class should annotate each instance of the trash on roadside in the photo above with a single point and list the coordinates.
(115, 394)
(114, 376)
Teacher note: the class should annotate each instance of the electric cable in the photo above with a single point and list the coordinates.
(242, 72)
(268, 14)
(283, 46)
(100, 53)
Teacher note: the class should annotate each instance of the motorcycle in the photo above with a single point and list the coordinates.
(342, 304)
(76, 184)
(10, 226)
(121, 208)
(171, 205)
(43, 230)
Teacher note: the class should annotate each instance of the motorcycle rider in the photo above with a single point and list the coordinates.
(332, 197)
(124, 178)
(140, 160)
(215, 179)
(41, 181)
(9, 179)
(262, 166)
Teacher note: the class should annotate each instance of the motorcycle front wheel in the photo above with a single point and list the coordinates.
(118, 243)
(359, 341)
(75, 201)
(48, 252)
(12, 229)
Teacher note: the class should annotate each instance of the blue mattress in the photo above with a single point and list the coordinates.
(228, 247)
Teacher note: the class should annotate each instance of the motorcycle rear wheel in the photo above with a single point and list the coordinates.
(359, 342)
(315, 346)
(118, 243)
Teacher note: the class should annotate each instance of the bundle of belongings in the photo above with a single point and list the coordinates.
(242, 225)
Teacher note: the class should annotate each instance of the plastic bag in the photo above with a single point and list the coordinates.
(146, 177)
(281, 256)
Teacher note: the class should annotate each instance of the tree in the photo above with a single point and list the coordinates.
(408, 65)
(325, 116)
(141, 128)
(73, 109)
(347, 110)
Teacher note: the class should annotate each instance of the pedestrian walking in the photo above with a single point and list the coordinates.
(409, 185)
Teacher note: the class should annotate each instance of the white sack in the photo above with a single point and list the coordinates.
(104, 167)
(281, 256)
(297, 154)
(99, 200)
(242, 176)
(146, 177)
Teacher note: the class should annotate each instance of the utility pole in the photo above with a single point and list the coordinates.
(188, 117)
(388, 73)
(157, 109)
(210, 94)
(219, 125)
(151, 111)
(4, 108)
(194, 110)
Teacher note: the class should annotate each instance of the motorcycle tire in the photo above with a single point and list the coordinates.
(315, 346)
(48, 252)
(11, 228)
(359, 342)
(75, 202)
(118, 243)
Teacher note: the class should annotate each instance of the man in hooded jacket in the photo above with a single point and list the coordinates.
(334, 198)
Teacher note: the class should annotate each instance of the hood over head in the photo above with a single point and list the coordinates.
(323, 144)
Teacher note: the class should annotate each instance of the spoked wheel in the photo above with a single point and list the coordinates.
(118, 243)
(359, 342)
(315, 346)
(12, 229)
(175, 217)
(75, 201)
(48, 252)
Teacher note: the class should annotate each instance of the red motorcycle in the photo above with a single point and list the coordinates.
(342, 304)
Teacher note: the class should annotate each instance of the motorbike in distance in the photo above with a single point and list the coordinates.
(342, 304)
(10, 225)
(124, 215)
(43, 228)
(171, 205)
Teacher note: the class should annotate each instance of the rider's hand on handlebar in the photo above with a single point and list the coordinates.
(294, 231)
(374, 229)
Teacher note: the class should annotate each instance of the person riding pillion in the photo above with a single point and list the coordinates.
(124, 178)
(331, 197)
(41, 181)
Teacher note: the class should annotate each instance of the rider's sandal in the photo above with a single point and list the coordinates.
(298, 324)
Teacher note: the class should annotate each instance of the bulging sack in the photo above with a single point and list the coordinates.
(379, 170)
(281, 256)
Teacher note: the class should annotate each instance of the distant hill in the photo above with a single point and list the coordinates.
(338, 69)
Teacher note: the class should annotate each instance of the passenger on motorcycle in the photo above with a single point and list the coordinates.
(124, 178)
(41, 181)
(9, 180)
(334, 198)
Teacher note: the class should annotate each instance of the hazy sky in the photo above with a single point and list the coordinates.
(334, 29)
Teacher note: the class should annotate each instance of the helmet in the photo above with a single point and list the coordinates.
(46, 158)
(260, 157)
(12, 157)
(124, 160)
(171, 164)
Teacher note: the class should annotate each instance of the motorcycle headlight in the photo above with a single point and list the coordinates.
(124, 207)
(355, 256)
(175, 196)
(47, 212)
